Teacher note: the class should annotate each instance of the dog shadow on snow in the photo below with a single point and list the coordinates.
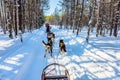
(86, 62)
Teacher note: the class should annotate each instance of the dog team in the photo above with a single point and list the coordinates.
(50, 41)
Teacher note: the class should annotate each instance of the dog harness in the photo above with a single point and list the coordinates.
(61, 44)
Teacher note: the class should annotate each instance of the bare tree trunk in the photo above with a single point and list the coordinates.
(71, 14)
(3, 16)
(9, 18)
(74, 16)
(111, 20)
(20, 14)
(116, 18)
(16, 21)
(98, 20)
(81, 16)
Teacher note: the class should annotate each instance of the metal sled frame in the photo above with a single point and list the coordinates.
(56, 77)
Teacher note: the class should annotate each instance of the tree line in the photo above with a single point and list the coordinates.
(101, 15)
(26, 15)
(22, 15)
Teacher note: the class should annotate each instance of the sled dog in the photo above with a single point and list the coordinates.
(62, 47)
(48, 48)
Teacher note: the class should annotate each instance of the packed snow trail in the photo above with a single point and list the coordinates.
(29, 58)
(98, 60)
(33, 67)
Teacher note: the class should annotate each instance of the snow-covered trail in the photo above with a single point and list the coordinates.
(25, 62)
(98, 60)
(33, 66)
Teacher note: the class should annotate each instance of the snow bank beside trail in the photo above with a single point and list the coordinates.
(4, 43)
(7, 44)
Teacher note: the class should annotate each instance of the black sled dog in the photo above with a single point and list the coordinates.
(62, 47)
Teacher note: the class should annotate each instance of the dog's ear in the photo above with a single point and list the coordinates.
(61, 40)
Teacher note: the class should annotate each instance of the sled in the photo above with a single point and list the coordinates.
(55, 71)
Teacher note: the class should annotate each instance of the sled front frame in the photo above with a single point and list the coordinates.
(66, 76)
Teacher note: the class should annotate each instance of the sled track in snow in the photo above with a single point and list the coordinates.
(11, 51)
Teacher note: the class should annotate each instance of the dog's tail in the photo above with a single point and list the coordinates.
(44, 44)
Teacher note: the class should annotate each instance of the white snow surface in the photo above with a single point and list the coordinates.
(97, 60)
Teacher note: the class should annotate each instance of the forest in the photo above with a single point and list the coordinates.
(103, 16)
(20, 15)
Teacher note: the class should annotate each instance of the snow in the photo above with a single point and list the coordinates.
(97, 60)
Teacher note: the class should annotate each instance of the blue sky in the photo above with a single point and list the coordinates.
(53, 4)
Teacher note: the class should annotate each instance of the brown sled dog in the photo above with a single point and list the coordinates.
(48, 48)
(62, 47)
